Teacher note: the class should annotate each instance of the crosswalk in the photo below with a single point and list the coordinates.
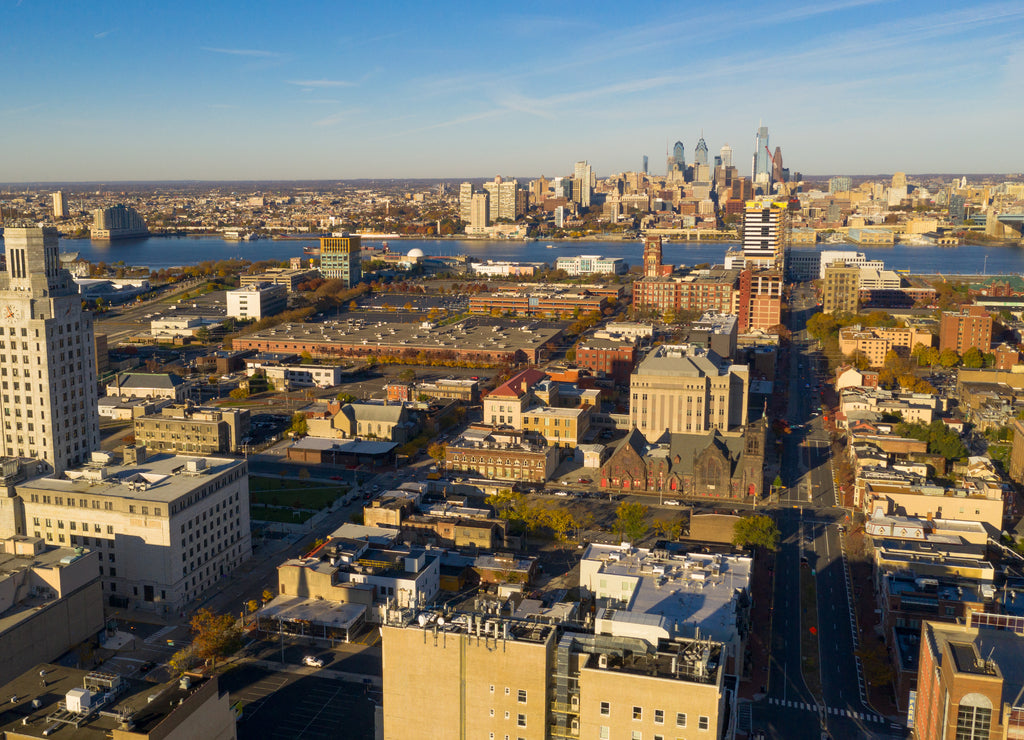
(835, 711)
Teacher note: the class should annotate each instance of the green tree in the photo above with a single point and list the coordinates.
(437, 451)
(183, 660)
(239, 393)
(345, 398)
(759, 530)
(631, 520)
(949, 358)
(307, 359)
(299, 424)
(973, 358)
(214, 636)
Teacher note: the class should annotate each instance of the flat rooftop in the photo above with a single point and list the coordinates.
(148, 704)
(161, 478)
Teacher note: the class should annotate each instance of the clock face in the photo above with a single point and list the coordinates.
(11, 313)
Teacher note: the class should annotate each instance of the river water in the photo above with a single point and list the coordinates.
(161, 252)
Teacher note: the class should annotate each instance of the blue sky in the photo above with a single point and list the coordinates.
(293, 90)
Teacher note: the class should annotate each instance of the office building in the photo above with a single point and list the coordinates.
(480, 211)
(340, 260)
(47, 355)
(681, 388)
(505, 201)
(841, 288)
(612, 358)
(839, 185)
(969, 681)
(466, 191)
(726, 154)
(117, 222)
(700, 153)
(256, 302)
(289, 278)
(52, 601)
(961, 330)
(592, 264)
(644, 170)
(485, 676)
(60, 206)
(193, 430)
(166, 528)
(583, 183)
(761, 171)
(88, 705)
(765, 233)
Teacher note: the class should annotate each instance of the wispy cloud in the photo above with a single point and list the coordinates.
(8, 112)
(322, 83)
(103, 34)
(242, 52)
(340, 117)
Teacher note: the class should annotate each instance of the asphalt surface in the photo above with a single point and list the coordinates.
(809, 521)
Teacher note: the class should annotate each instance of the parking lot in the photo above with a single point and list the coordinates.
(279, 704)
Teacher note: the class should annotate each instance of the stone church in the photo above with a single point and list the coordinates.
(711, 465)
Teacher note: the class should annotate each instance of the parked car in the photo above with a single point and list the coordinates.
(584, 481)
(313, 662)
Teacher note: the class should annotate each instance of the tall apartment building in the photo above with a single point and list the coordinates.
(765, 233)
(841, 288)
(340, 260)
(760, 300)
(505, 200)
(961, 330)
(686, 389)
(483, 676)
(60, 206)
(466, 191)
(167, 528)
(47, 356)
(117, 222)
(479, 210)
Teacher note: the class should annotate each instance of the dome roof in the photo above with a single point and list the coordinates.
(417, 253)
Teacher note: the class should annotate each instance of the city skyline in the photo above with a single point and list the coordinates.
(240, 93)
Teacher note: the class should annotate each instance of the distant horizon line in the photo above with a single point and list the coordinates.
(805, 176)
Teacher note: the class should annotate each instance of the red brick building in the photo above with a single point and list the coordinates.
(971, 327)
(760, 300)
(615, 359)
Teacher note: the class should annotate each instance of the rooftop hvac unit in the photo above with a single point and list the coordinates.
(79, 701)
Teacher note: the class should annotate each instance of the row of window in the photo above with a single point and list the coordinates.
(703, 722)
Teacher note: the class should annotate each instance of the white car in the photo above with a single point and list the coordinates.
(313, 662)
(672, 502)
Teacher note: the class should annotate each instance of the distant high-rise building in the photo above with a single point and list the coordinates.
(584, 174)
(717, 161)
(118, 222)
(700, 152)
(466, 191)
(840, 288)
(677, 159)
(726, 154)
(839, 185)
(479, 212)
(899, 180)
(51, 412)
(340, 258)
(762, 156)
(778, 171)
(60, 208)
(504, 201)
(645, 164)
(765, 233)
(957, 208)
(559, 217)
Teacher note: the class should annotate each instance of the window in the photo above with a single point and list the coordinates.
(680, 719)
(507, 715)
(703, 723)
(637, 735)
(520, 720)
(659, 716)
(605, 732)
(638, 713)
(507, 691)
(492, 712)
(522, 696)
(606, 709)
(973, 717)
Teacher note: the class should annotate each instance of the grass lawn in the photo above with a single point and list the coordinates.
(307, 494)
(269, 514)
(808, 641)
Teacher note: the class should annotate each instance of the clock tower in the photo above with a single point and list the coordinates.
(47, 356)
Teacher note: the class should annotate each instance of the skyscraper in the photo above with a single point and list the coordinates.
(466, 191)
(584, 174)
(60, 208)
(700, 152)
(479, 212)
(645, 164)
(504, 200)
(839, 185)
(762, 156)
(726, 154)
(47, 355)
(778, 172)
(765, 232)
(677, 159)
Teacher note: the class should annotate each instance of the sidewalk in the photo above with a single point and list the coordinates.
(755, 673)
